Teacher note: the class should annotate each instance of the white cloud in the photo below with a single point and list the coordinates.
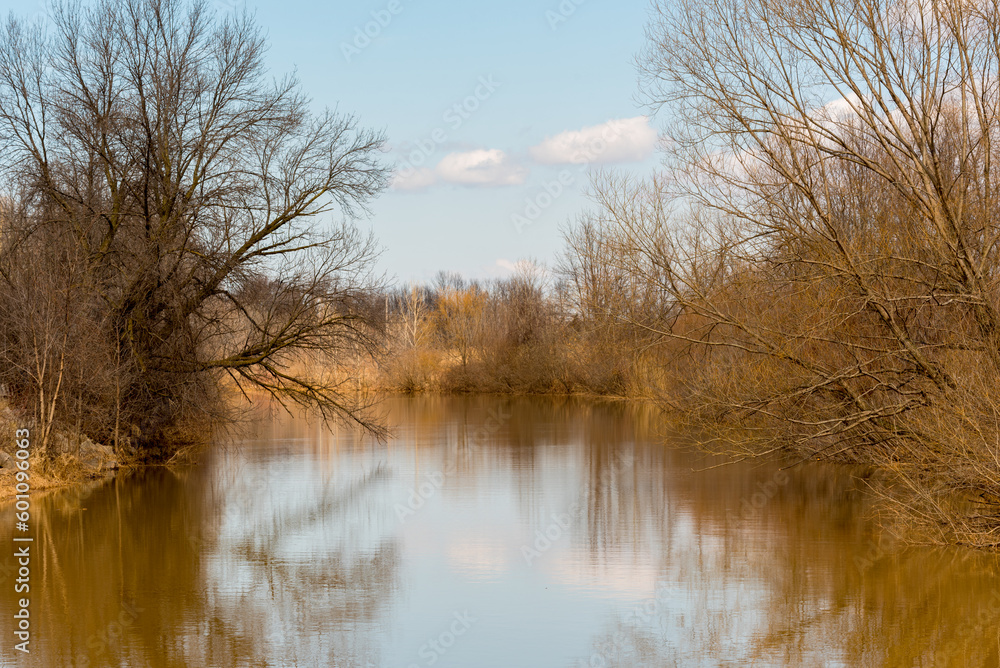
(526, 268)
(482, 167)
(838, 110)
(506, 265)
(618, 140)
(413, 179)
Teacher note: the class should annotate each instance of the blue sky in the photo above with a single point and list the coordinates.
(492, 180)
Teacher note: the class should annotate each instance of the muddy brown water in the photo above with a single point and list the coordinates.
(489, 532)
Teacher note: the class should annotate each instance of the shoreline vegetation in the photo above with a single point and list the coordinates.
(168, 231)
(814, 272)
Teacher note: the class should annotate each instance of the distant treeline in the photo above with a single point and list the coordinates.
(528, 333)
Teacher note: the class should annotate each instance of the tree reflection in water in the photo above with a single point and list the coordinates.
(287, 549)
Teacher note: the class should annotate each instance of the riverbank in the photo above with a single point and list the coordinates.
(71, 459)
(39, 482)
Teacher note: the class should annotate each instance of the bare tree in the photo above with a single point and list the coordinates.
(458, 317)
(411, 304)
(824, 233)
(201, 196)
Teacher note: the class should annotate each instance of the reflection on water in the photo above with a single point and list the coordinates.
(488, 532)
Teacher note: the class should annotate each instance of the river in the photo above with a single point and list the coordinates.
(487, 532)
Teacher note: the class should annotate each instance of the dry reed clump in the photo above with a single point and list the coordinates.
(510, 336)
(411, 370)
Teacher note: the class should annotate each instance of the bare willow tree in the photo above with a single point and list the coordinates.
(207, 208)
(826, 230)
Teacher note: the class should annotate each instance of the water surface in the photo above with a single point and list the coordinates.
(489, 532)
